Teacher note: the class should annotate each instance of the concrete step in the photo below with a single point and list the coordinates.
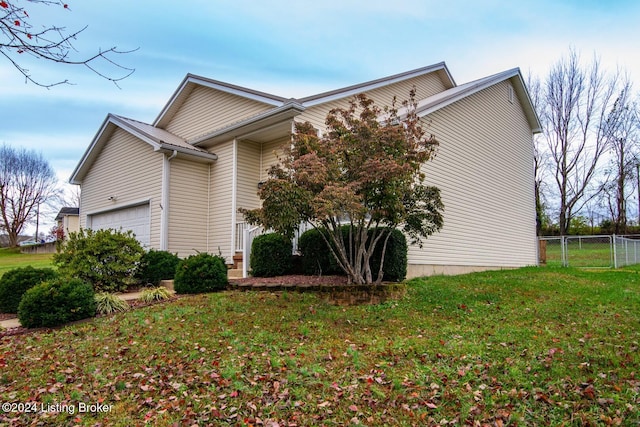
(235, 273)
(237, 261)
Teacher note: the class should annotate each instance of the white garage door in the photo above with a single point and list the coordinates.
(135, 219)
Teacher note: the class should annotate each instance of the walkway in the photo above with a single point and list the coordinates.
(15, 323)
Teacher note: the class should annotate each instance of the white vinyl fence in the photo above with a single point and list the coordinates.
(591, 251)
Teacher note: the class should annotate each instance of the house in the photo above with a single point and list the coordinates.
(68, 220)
(178, 182)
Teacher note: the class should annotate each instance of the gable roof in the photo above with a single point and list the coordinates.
(191, 81)
(449, 96)
(321, 98)
(67, 211)
(159, 139)
(283, 109)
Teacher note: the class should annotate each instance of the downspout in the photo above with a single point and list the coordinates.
(164, 204)
(208, 207)
(234, 196)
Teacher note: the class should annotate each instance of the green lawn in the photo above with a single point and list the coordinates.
(581, 254)
(12, 258)
(532, 346)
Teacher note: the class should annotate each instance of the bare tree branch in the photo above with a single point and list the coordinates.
(18, 36)
(577, 102)
(26, 181)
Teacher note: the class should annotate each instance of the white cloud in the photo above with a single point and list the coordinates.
(295, 49)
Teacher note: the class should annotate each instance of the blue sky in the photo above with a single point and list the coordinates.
(292, 49)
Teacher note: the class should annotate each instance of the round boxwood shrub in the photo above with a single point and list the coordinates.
(156, 266)
(200, 273)
(395, 258)
(56, 302)
(270, 255)
(14, 283)
(107, 259)
(318, 259)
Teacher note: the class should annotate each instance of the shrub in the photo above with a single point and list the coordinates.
(156, 266)
(318, 259)
(270, 255)
(14, 283)
(107, 259)
(159, 293)
(107, 303)
(200, 273)
(55, 302)
(395, 258)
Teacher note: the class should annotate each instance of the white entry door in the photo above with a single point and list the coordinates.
(135, 218)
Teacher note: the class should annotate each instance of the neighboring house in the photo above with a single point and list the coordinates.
(69, 220)
(179, 181)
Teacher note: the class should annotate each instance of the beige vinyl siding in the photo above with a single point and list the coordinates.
(208, 109)
(426, 85)
(271, 152)
(484, 169)
(129, 169)
(70, 224)
(248, 175)
(220, 201)
(188, 206)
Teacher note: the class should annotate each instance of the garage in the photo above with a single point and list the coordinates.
(135, 218)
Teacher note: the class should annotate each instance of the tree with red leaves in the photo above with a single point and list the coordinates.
(365, 172)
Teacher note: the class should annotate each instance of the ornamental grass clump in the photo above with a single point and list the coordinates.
(108, 303)
(159, 293)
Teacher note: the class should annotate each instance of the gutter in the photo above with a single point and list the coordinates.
(289, 110)
(165, 147)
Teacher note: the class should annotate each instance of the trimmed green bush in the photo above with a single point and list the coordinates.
(156, 266)
(107, 303)
(270, 255)
(200, 273)
(395, 258)
(318, 259)
(14, 283)
(56, 302)
(107, 259)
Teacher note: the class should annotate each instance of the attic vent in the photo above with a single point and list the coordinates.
(510, 94)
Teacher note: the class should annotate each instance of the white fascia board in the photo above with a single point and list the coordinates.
(88, 152)
(136, 132)
(375, 84)
(448, 97)
(265, 98)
